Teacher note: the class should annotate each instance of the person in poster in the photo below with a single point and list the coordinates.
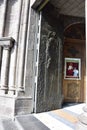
(75, 72)
(70, 69)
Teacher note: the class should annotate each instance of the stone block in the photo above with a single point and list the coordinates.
(23, 106)
(7, 106)
(11, 106)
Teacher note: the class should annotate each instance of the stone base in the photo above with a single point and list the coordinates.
(23, 106)
(81, 126)
(11, 106)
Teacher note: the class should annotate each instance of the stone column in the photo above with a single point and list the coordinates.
(13, 58)
(22, 46)
(6, 43)
(2, 24)
(82, 124)
(3, 8)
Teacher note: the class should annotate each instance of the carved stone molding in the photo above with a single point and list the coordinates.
(6, 42)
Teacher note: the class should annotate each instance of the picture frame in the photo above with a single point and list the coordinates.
(72, 69)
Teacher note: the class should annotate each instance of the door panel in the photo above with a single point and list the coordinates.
(73, 90)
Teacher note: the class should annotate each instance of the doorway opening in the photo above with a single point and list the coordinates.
(74, 57)
(58, 17)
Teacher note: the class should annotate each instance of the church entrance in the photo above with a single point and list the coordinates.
(74, 63)
(60, 56)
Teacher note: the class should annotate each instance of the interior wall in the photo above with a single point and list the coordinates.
(69, 20)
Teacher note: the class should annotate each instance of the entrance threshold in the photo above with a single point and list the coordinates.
(69, 104)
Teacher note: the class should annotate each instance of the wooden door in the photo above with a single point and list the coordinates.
(74, 88)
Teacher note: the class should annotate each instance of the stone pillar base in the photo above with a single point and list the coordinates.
(81, 126)
(12, 106)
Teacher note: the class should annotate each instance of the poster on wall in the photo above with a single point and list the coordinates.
(72, 68)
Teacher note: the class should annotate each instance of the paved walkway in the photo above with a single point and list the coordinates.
(61, 119)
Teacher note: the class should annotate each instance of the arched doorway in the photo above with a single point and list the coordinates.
(74, 57)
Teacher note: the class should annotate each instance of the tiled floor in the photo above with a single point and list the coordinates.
(61, 119)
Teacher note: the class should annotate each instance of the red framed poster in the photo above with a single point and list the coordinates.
(72, 68)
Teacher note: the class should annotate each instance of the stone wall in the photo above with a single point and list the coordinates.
(19, 24)
(50, 67)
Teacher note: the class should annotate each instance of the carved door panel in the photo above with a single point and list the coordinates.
(74, 89)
